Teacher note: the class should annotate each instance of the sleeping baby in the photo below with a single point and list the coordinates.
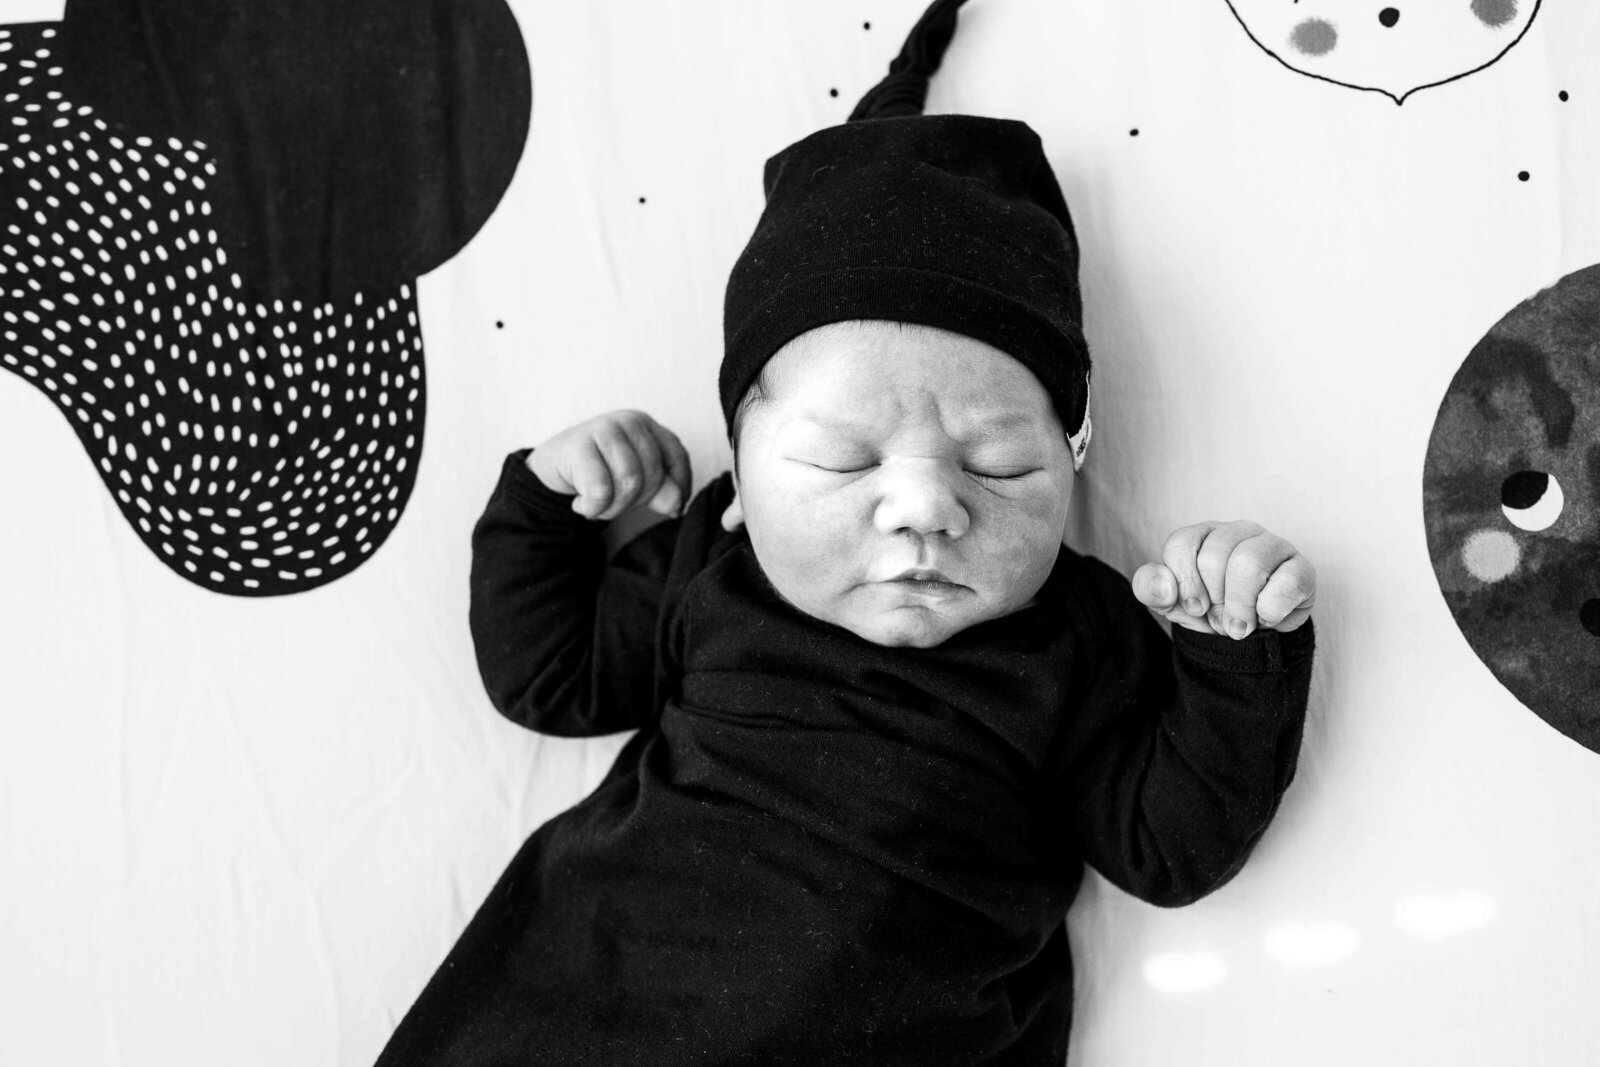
(884, 717)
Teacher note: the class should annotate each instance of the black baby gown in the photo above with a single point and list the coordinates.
(818, 850)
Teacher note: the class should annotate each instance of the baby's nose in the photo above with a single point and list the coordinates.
(921, 497)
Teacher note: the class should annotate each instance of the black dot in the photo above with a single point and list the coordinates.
(1524, 489)
(833, 92)
(499, 325)
(1562, 95)
(866, 25)
(641, 200)
(1522, 175)
(1133, 133)
(1389, 16)
(1589, 615)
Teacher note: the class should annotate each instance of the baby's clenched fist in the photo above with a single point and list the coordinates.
(1228, 578)
(613, 462)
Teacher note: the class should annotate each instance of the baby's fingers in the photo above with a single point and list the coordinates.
(1180, 556)
(1212, 562)
(1155, 587)
(673, 494)
(1251, 563)
(590, 476)
(635, 467)
(1286, 600)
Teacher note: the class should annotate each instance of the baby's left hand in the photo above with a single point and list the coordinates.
(1228, 578)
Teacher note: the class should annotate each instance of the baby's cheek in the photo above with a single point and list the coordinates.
(1021, 547)
(826, 553)
(1036, 520)
(804, 551)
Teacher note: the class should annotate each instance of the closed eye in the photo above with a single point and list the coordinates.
(994, 476)
(837, 470)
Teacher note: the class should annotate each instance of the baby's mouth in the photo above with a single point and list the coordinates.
(925, 580)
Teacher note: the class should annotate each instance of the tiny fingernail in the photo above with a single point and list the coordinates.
(1238, 627)
(1161, 588)
(1193, 606)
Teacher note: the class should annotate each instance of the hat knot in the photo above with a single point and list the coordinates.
(904, 90)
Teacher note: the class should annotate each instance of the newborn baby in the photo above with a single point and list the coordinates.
(884, 717)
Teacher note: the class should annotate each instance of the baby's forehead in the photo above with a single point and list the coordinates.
(978, 424)
(863, 378)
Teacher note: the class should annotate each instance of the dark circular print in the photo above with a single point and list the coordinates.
(1511, 502)
(358, 143)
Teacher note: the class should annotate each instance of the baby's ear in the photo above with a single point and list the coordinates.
(733, 518)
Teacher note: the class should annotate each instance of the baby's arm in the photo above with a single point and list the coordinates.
(566, 641)
(1179, 751)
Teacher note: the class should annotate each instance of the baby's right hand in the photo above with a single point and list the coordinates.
(614, 462)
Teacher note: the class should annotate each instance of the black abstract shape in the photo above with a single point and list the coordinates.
(358, 143)
(1515, 429)
(1589, 615)
(1524, 489)
(258, 446)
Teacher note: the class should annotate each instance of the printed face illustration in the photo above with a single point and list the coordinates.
(1510, 493)
(1394, 48)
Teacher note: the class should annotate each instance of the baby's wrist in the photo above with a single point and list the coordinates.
(541, 465)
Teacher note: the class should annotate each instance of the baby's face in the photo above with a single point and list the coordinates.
(903, 483)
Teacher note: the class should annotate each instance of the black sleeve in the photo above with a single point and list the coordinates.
(566, 642)
(1177, 751)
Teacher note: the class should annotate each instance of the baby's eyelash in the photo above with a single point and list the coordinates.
(983, 475)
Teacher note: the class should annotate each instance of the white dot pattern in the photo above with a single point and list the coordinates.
(257, 446)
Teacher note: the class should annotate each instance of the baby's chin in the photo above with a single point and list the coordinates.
(900, 633)
(893, 618)
(901, 626)
(909, 627)
(894, 615)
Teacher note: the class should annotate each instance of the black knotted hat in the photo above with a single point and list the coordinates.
(952, 221)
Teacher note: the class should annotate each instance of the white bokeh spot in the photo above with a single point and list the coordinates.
(1439, 915)
(1184, 972)
(1309, 944)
